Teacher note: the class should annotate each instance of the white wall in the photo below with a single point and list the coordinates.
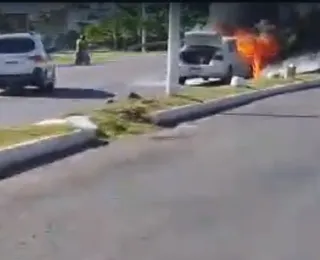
(74, 15)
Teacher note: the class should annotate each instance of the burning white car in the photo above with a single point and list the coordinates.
(206, 54)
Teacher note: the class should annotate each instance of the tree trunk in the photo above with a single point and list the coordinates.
(124, 44)
(115, 40)
(143, 28)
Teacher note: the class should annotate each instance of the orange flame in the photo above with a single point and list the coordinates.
(256, 50)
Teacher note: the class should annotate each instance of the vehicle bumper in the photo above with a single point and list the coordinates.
(198, 71)
(34, 78)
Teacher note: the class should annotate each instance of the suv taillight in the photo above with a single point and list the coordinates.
(36, 58)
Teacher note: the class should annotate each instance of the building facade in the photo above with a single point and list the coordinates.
(53, 20)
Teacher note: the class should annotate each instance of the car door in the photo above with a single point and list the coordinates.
(240, 68)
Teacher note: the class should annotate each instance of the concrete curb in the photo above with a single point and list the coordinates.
(30, 150)
(174, 116)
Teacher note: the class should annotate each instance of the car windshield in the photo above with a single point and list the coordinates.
(16, 45)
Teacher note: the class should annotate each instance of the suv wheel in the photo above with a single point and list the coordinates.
(182, 80)
(50, 87)
(40, 78)
(47, 85)
(52, 84)
(14, 90)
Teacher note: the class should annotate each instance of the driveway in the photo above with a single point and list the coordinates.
(241, 185)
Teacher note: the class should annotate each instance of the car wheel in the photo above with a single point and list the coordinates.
(47, 85)
(14, 90)
(50, 87)
(182, 80)
(227, 78)
(40, 79)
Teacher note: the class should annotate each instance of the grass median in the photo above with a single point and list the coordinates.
(15, 135)
(96, 57)
(131, 117)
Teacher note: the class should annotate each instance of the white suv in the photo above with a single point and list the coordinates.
(25, 62)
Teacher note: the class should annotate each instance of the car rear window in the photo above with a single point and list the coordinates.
(16, 45)
(198, 54)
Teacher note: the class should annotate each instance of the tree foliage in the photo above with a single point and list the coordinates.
(123, 28)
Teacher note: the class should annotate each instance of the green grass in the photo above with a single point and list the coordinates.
(15, 135)
(131, 117)
(96, 57)
(266, 82)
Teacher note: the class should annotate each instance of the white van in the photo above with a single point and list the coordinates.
(206, 54)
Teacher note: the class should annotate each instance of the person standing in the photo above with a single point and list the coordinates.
(82, 52)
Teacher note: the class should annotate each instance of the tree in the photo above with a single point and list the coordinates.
(120, 27)
(95, 33)
(194, 14)
(124, 27)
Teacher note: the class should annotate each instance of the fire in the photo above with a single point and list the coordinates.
(257, 50)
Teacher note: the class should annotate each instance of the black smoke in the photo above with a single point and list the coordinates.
(242, 14)
(297, 24)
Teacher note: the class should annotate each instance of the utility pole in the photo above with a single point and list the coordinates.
(173, 48)
(143, 28)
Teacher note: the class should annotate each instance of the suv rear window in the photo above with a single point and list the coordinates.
(16, 45)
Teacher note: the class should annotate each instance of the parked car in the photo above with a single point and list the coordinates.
(24, 61)
(206, 54)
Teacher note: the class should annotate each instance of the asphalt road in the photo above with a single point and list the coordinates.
(81, 88)
(241, 185)
(86, 87)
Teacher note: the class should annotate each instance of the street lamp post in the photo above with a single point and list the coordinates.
(173, 49)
